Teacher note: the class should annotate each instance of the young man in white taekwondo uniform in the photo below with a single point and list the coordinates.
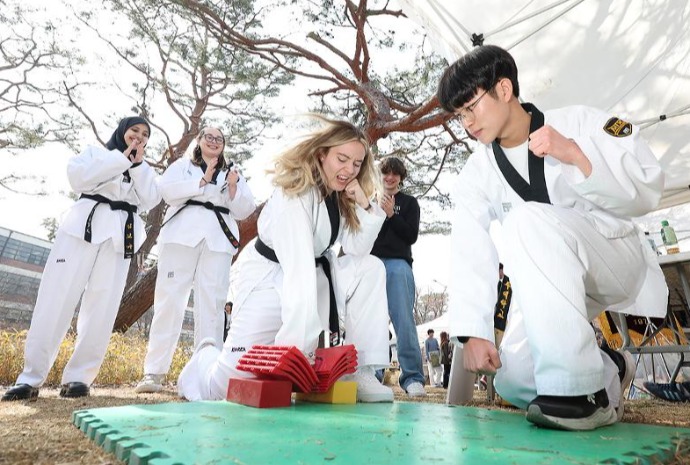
(565, 184)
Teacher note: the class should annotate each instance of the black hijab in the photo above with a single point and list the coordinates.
(117, 140)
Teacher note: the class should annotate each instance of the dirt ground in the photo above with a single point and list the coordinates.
(42, 432)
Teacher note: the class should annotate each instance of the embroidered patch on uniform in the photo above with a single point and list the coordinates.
(507, 206)
(238, 349)
(171, 274)
(616, 127)
(61, 260)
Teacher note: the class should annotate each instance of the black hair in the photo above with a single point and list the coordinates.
(394, 165)
(479, 69)
(500, 265)
(429, 331)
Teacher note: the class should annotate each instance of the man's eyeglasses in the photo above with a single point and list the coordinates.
(211, 139)
(466, 112)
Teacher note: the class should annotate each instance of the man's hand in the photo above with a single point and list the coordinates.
(387, 204)
(480, 356)
(547, 141)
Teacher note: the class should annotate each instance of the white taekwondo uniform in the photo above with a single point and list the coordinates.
(287, 303)
(193, 249)
(568, 260)
(96, 269)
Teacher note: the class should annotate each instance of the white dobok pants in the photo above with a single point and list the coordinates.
(74, 267)
(564, 273)
(435, 374)
(360, 283)
(180, 266)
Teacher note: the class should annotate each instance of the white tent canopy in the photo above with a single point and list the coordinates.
(439, 324)
(628, 57)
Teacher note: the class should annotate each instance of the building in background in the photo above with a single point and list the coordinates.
(22, 259)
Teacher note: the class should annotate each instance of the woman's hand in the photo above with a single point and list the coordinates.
(232, 178)
(135, 152)
(354, 192)
(208, 175)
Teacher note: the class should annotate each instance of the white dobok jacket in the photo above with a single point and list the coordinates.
(194, 223)
(626, 181)
(298, 230)
(98, 171)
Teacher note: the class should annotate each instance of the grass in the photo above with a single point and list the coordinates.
(123, 363)
(123, 367)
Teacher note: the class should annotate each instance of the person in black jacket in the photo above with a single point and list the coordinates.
(394, 247)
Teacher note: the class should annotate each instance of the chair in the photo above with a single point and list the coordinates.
(663, 339)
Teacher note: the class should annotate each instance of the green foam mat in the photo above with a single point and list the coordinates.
(401, 433)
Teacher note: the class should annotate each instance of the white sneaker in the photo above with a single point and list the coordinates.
(369, 389)
(150, 383)
(416, 390)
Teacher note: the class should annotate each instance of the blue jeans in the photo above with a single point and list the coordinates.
(400, 289)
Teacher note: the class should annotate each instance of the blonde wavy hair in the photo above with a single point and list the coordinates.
(298, 169)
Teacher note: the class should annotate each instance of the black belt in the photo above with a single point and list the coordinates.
(333, 322)
(114, 205)
(217, 210)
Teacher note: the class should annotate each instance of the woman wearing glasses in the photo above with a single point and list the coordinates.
(291, 284)
(197, 241)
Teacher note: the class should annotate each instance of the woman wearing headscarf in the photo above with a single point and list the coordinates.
(291, 285)
(89, 260)
(197, 242)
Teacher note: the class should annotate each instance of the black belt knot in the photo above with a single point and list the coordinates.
(114, 205)
(333, 321)
(217, 210)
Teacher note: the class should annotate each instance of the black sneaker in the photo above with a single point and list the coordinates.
(21, 392)
(672, 392)
(577, 413)
(74, 389)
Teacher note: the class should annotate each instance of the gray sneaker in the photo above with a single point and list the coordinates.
(415, 390)
(150, 383)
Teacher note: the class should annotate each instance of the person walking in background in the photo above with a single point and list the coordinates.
(504, 296)
(198, 239)
(394, 247)
(433, 359)
(565, 185)
(290, 285)
(90, 260)
(446, 357)
(228, 319)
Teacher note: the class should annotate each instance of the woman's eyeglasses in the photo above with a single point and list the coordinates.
(211, 139)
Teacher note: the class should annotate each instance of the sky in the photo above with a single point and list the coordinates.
(46, 165)
(24, 213)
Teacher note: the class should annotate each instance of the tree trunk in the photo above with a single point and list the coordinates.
(139, 297)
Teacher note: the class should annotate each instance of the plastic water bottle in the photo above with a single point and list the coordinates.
(668, 235)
